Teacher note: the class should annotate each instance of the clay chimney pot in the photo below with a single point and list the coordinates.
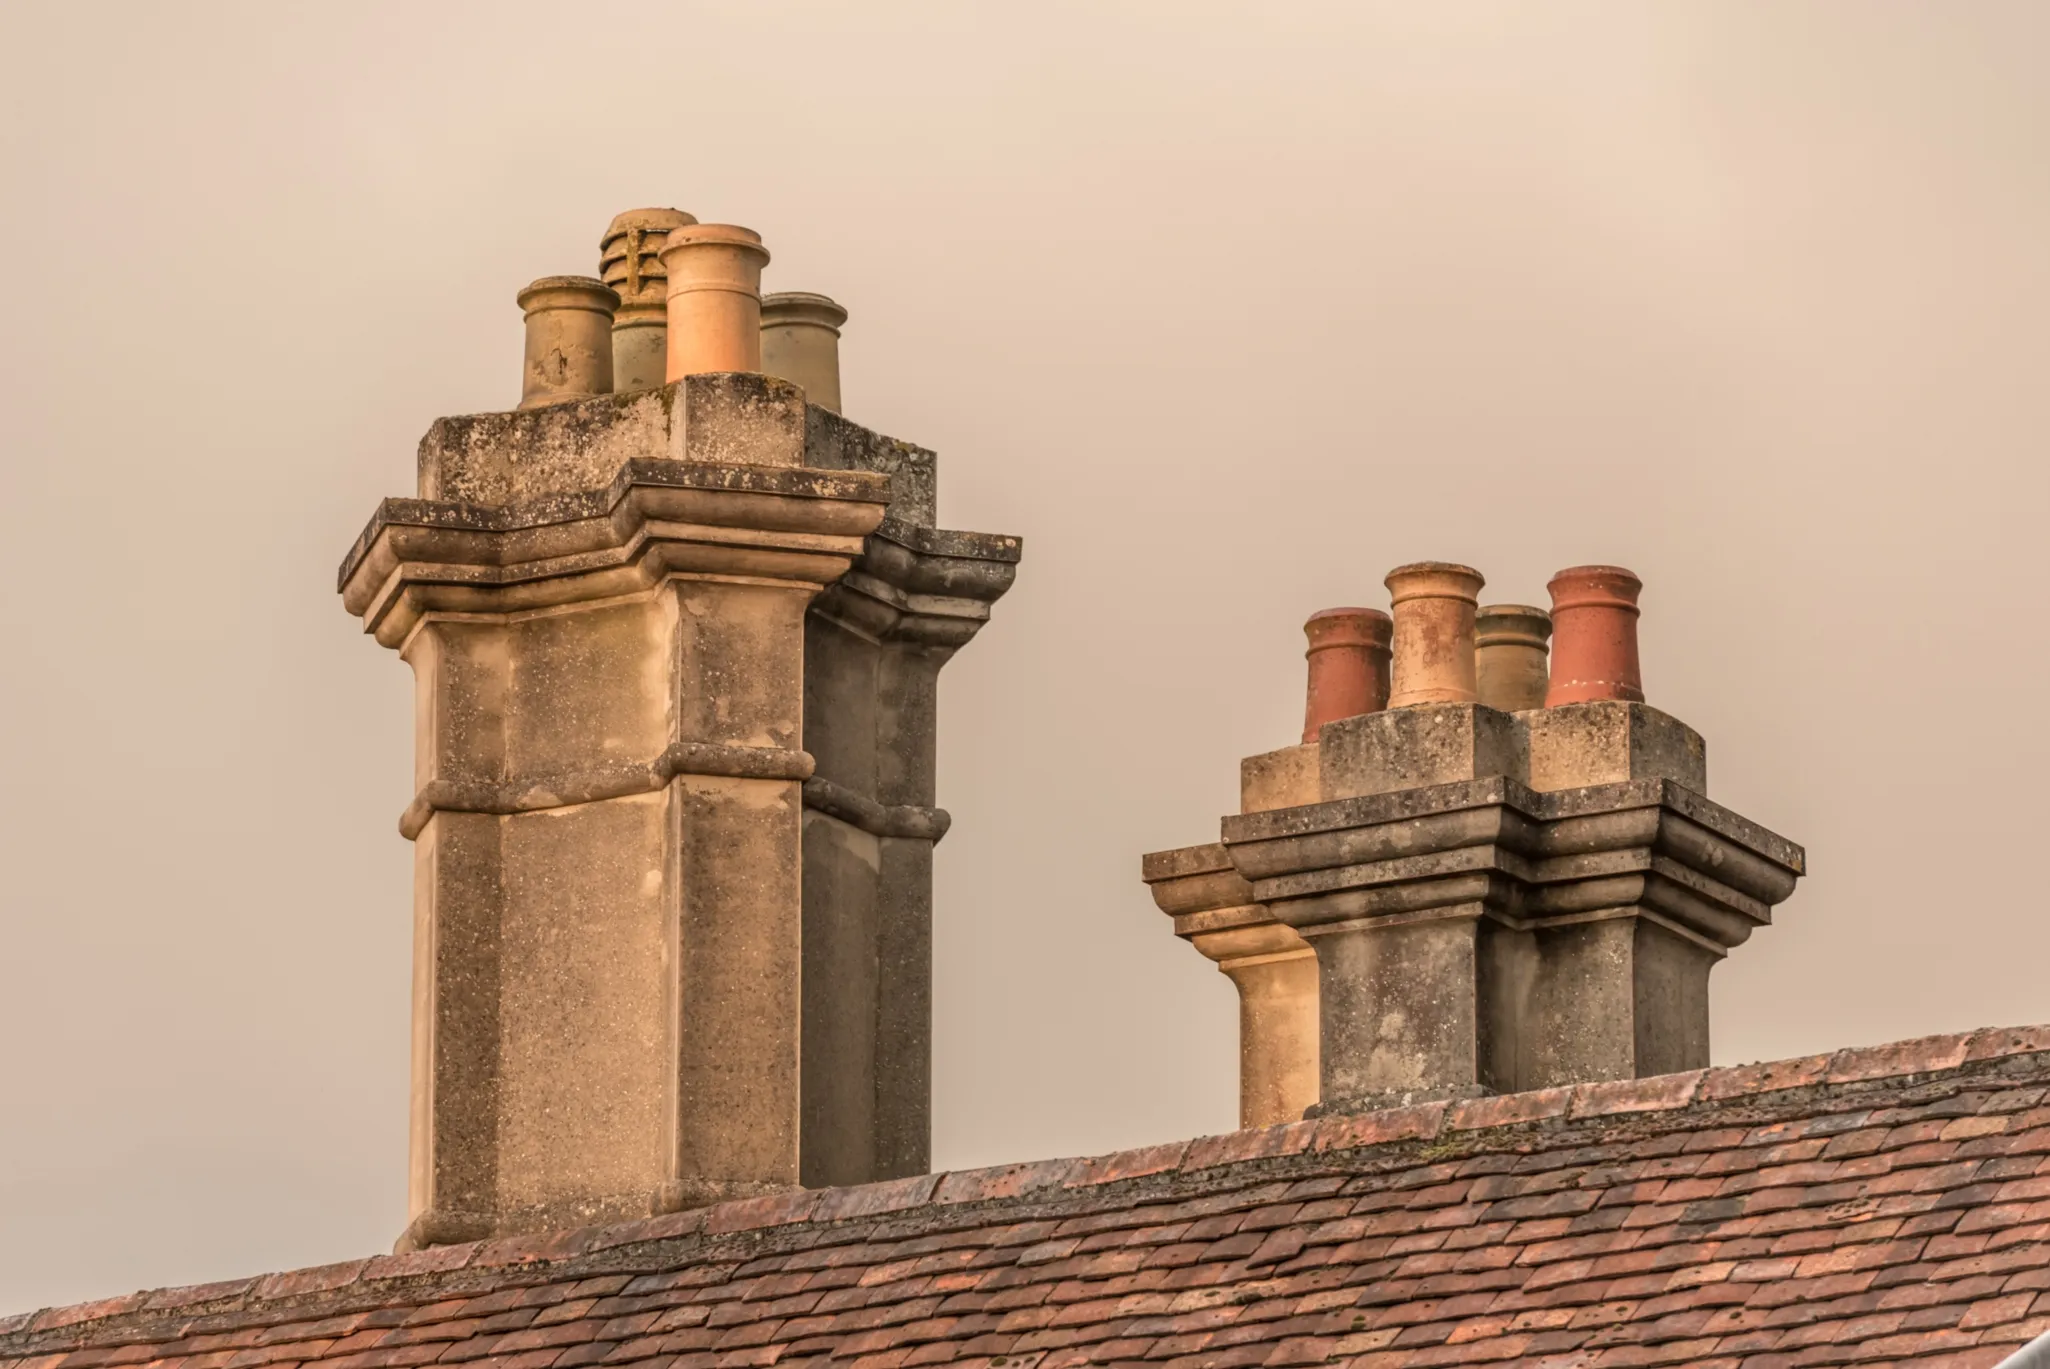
(569, 339)
(630, 260)
(1509, 656)
(1594, 636)
(1434, 604)
(801, 343)
(1348, 656)
(715, 299)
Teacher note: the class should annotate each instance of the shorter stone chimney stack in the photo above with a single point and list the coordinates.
(630, 260)
(801, 343)
(1348, 656)
(1594, 636)
(1434, 604)
(1509, 656)
(1510, 879)
(715, 299)
(569, 340)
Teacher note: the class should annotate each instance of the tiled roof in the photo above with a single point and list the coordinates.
(1878, 1206)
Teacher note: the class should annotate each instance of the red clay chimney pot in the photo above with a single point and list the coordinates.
(1594, 636)
(1348, 657)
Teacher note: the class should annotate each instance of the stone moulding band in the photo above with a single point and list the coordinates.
(712, 760)
(659, 518)
(1522, 858)
(567, 513)
(903, 821)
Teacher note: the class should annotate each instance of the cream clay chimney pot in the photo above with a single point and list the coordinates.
(1509, 656)
(1434, 604)
(801, 343)
(569, 339)
(714, 300)
(630, 260)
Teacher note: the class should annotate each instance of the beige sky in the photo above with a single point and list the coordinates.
(1225, 308)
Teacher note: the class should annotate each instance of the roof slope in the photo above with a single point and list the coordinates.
(1882, 1205)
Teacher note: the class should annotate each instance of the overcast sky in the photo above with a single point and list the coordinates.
(1226, 309)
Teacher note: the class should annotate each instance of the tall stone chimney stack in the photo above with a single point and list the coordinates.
(608, 604)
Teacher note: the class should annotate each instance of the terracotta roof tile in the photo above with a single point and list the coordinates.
(1880, 1205)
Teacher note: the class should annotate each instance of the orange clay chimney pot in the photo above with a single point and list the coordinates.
(1594, 636)
(715, 298)
(1348, 658)
(1434, 603)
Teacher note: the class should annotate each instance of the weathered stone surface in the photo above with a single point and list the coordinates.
(834, 443)
(1419, 746)
(499, 459)
(503, 459)
(1280, 779)
(1401, 1020)
(1609, 740)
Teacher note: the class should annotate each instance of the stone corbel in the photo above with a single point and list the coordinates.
(928, 586)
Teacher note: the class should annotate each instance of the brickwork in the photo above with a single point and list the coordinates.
(1886, 1205)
